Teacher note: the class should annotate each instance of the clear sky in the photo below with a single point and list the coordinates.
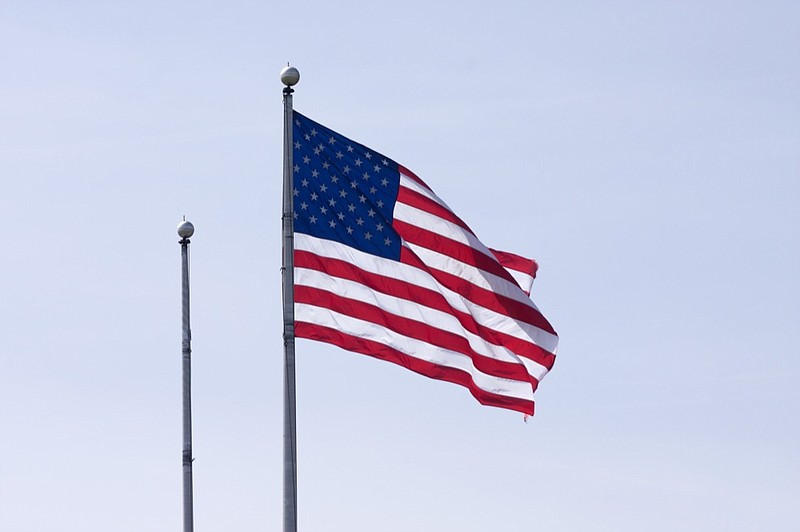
(647, 154)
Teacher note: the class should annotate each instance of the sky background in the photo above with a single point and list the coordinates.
(647, 154)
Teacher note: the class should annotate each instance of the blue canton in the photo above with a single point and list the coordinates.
(343, 191)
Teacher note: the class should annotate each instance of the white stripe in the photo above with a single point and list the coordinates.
(524, 280)
(414, 311)
(458, 233)
(419, 218)
(411, 184)
(413, 348)
(410, 274)
(472, 274)
(487, 317)
(425, 220)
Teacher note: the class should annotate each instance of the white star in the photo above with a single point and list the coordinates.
(297, 145)
(359, 162)
(314, 173)
(376, 168)
(368, 155)
(368, 235)
(334, 179)
(343, 193)
(380, 204)
(371, 213)
(304, 205)
(346, 169)
(340, 216)
(296, 192)
(385, 162)
(339, 155)
(297, 121)
(387, 241)
(316, 151)
(304, 182)
(314, 196)
(295, 215)
(385, 182)
(379, 227)
(332, 224)
(313, 219)
(349, 149)
(351, 208)
(373, 190)
(353, 184)
(321, 146)
(332, 202)
(331, 140)
(360, 222)
(323, 210)
(313, 132)
(349, 230)
(306, 159)
(296, 169)
(323, 187)
(307, 137)
(362, 199)
(325, 165)
(365, 176)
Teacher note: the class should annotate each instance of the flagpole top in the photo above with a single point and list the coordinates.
(185, 228)
(290, 75)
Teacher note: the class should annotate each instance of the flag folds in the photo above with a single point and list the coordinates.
(383, 267)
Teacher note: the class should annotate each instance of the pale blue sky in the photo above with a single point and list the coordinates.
(647, 154)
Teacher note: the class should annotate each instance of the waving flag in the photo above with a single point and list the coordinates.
(383, 267)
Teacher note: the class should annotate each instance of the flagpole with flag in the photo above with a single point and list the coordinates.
(289, 77)
(376, 263)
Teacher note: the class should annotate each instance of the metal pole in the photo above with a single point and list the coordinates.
(186, 230)
(289, 76)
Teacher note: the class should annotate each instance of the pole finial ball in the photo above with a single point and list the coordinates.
(290, 76)
(185, 229)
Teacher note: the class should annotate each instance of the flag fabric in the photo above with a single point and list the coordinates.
(383, 267)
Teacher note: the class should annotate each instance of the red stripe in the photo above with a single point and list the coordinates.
(486, 298)
(411, 175)
(413, 329)
(452, 248)
(424, 203)
(516, 262)
(507, 260)
(428, 369)
(422, 296)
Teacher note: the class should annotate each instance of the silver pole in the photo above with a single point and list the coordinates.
(186, 230)
(289, 76)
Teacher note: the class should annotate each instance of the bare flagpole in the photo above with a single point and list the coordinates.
(289, 76)
(185, 231)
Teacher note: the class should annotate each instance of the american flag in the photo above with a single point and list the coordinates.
(383, 267)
